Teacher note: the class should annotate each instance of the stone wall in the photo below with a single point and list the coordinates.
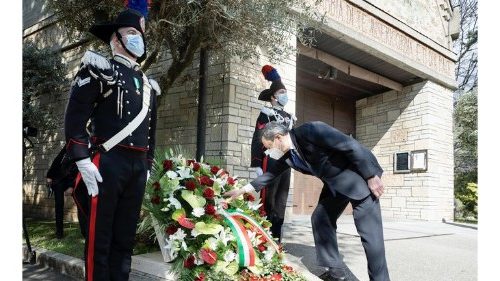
(429, 17)
(419, 117)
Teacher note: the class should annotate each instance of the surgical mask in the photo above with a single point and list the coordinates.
(135, 44)
(282, 99)
(274, 153)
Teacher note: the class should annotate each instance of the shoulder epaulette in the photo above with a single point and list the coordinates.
(155, 86)
(267, 111)
(96, 60)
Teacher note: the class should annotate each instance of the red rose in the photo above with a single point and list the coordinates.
(204, 180)
(200, 277)
(171, 229)
(208, 193)
(190, 185)
(261, 247)
(189, 263)
(231, 181)
(262, 213)
(196, 167)
(276, 277)
(168, 164)
(155, 200)
(190, 161)
(156, 185)
(210, 210)
(249, 197)
(208, 256)
(214, 169)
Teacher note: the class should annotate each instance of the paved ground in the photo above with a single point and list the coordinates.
(415, 251)
(37, 272)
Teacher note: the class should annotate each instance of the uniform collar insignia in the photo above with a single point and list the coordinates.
(126, 61)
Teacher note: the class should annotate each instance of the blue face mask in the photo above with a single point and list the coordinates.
(282, 99)
(135, 45)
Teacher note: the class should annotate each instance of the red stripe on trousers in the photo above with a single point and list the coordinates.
(263, 191)
(73, 194)
(91, 235)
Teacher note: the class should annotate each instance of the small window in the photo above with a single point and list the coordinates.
(401, 162)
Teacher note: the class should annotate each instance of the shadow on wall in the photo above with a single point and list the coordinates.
(377, 116)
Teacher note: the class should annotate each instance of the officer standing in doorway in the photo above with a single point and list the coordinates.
(274, 198)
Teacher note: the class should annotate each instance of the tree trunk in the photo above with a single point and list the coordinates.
(202, 105)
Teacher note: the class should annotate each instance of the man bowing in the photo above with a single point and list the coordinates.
(350, 173)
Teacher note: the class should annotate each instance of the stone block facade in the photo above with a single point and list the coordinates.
(419, 117)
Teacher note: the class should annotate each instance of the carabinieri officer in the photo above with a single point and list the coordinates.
(113, 161)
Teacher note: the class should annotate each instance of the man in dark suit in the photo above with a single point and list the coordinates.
(350, 173)
(60, 180)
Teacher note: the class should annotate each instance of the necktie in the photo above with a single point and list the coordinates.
(298, 163)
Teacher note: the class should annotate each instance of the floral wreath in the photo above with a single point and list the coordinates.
(206, 236)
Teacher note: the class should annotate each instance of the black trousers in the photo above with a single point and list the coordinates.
(368, 222)
(58, 189)
(114, 213)
(275, 196)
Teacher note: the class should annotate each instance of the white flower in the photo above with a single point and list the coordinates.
(211, 243)
(198, 212)
(194, 233)
(166, 209)
(224, 236)
(254, 205)
(172, 175)
(269, 253)
(184, 172)
(178, 235)
(253, 238)
(174, 202)
(229, 256)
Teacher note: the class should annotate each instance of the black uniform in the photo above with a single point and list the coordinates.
(62, 179)
(275, 196)
(110, 94)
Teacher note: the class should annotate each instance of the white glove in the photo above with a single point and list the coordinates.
(233, 194)
(259, 171)
(90, 175)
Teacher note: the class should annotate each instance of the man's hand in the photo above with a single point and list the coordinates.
(90, 175)
(376, 186)
(233, 194)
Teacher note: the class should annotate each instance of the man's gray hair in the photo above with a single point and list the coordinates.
(273, 129)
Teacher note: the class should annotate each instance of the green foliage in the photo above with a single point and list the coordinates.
(465, 116)
(43, 77)
(227, 28)
(469, 200)
(42, 234)
(466, 134)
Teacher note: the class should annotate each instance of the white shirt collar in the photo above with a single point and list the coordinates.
(126, 61)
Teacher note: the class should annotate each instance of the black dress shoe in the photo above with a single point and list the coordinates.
(341, 274)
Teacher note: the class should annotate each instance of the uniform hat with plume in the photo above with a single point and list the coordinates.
(134, 17)
(271, 74)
